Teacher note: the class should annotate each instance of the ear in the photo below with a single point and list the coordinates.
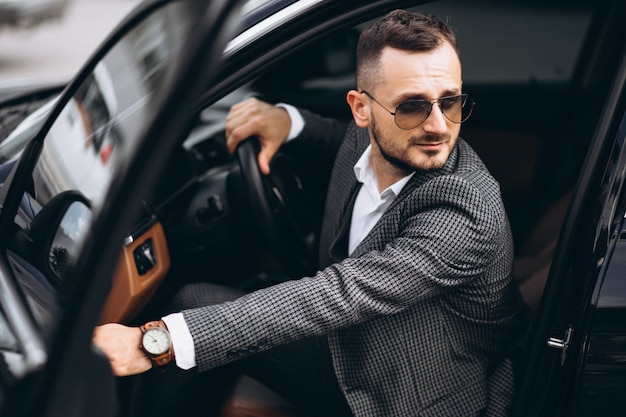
(360, 106)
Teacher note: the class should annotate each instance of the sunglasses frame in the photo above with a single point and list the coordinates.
(467, 100)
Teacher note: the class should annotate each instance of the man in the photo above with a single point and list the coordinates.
(415, 295)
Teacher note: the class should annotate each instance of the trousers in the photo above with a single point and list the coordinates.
(301, 374)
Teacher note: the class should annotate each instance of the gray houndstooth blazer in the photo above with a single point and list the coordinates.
(420, 318)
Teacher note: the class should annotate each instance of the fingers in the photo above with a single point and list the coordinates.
(253, 117)
(239, 125)
(121, 345)
(267, 152)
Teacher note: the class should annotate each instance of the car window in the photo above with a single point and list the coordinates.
(83, 150)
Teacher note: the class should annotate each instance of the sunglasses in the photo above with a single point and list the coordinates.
(412, 113)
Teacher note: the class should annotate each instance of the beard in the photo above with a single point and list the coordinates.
(399, 157)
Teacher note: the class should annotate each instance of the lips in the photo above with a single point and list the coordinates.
(430, 141)
(430, 146)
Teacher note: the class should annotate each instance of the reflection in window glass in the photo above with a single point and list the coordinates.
(109, 110)
(68, 239)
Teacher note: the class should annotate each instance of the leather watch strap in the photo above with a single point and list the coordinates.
(165, 358)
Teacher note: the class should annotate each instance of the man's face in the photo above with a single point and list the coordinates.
(407, 76)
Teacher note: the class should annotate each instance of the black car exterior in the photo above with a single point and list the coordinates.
(549, 80)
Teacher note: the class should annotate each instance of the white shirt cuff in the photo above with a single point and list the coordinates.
(182, 342)
(297, 121)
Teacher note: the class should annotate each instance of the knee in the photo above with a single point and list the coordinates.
(202, 294)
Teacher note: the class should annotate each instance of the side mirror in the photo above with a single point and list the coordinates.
(58, 232)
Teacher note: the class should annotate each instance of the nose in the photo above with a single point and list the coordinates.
(436, 122)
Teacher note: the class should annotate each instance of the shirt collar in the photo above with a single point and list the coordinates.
(364, 173)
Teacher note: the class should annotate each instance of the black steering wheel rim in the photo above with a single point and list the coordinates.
(272, 216)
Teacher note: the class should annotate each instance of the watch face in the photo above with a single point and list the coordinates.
(156, 341)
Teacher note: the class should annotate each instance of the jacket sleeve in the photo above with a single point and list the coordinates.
(318, 142)
(444, 236)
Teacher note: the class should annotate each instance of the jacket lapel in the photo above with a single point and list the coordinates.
(420, 178)
(341, 196)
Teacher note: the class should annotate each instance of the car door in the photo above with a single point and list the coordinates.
(573, 365)
(601, 381)
(70, 199)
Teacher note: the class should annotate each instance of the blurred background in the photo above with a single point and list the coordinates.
(43, 41)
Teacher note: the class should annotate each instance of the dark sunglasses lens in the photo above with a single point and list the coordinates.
(411, 114)
(457, 108)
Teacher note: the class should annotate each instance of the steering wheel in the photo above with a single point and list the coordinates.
(274, 200)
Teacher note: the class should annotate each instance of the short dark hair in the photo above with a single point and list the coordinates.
(399, 29)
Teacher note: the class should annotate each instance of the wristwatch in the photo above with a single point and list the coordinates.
(156, 343)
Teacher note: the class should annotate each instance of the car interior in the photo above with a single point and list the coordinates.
(533, 116)
(529, 125)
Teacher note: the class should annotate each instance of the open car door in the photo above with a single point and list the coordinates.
(574, 364)
(71, 198)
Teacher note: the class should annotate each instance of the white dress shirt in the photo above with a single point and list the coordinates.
(369, 206)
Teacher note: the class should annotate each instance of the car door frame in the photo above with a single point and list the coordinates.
(559, 338)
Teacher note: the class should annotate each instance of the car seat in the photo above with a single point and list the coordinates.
(532, 264)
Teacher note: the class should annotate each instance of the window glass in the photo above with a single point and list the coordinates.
(82, 152)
